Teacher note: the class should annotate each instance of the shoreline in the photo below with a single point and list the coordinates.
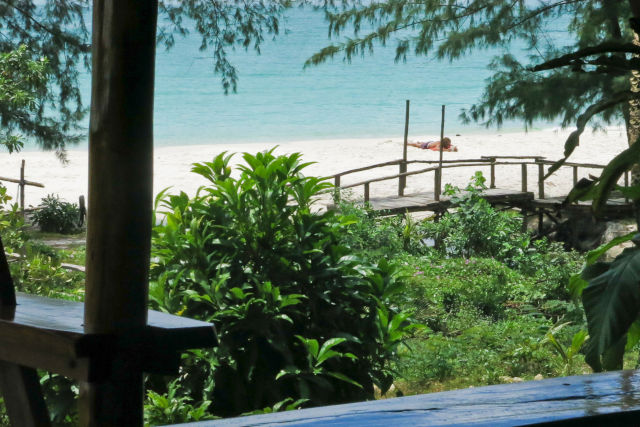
(172, 164)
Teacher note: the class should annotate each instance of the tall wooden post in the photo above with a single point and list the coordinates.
(438, 189)
(22, 184)
(120, 200)
(402, 182)
(540, 178)
(492, 182)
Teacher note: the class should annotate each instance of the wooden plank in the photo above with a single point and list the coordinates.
(427, 202)
(48, 334)
(17, 181)
(606, 399)
(431, 169)
(513, 157)
(67, 316)
(7, 290)
(366, 168)
(23, 396)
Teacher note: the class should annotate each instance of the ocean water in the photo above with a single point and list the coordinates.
(279, 101)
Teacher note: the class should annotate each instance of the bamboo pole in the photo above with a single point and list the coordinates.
(402, 182)
(22, 183)
(438, 188)
(120, 202)
(26, 182)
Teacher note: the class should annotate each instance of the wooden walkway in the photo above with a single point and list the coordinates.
(610, 399)
(616, 208)
(426, 201)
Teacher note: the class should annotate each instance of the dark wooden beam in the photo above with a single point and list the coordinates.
(7, 291)
(23, 396)
(120, 198)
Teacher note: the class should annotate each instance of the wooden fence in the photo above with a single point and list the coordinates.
(22, 183)
(490, 161)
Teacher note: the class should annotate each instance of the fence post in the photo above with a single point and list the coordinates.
(575, 175)
(626, 185)
(523, 169)
(403, 165)
(402, 182)
(336, 191)
(540, 178)
(83, 210)
(492, 183)
(436, 183)
(21, 185)
(366, 192)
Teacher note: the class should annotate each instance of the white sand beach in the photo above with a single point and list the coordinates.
(173, 164)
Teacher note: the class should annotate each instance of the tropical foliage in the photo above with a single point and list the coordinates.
(298, 315)
(58, 32)
(590, 75)
(23, 82)
(537, 89)
(57, 216)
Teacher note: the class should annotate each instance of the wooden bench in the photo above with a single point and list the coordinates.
(44, 333)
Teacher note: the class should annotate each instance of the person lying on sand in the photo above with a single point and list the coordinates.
(435, 145)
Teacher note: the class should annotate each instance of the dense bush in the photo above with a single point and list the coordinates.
(298, 315)
(57, 216)
(374, 235)
(476, 229)
(11, 223)
(488, 323)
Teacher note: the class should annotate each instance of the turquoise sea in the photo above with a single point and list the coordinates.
(279, 101)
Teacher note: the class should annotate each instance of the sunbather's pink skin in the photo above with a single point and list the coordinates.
(435, 145)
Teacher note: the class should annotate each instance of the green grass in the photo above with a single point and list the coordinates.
(488, 324)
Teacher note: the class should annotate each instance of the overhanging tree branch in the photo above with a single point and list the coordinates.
(570, 58)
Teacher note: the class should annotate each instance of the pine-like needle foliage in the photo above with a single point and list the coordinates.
(57, 30)
(517, 89)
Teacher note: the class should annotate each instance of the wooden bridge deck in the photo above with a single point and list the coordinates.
(426, 201)
(616, 208)
(610, 399)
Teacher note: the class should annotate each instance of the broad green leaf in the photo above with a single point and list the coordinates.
(633, 336)
(594, 255)
(311, 345)
(326, 352)
(344, 378)
(576, 343)
(576, 285)
(611, 303)
(632, 192)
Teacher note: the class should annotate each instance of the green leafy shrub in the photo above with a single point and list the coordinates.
(11, 223)
(173, 408)
(298, 315)
(476, 228)
(42, 275)
(57, 216)
(375, 236)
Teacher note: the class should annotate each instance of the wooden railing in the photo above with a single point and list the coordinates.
(490, 161)
(22, 183)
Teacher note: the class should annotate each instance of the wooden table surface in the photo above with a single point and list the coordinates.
(609, 399)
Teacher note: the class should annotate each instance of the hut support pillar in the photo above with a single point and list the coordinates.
(120, 201)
